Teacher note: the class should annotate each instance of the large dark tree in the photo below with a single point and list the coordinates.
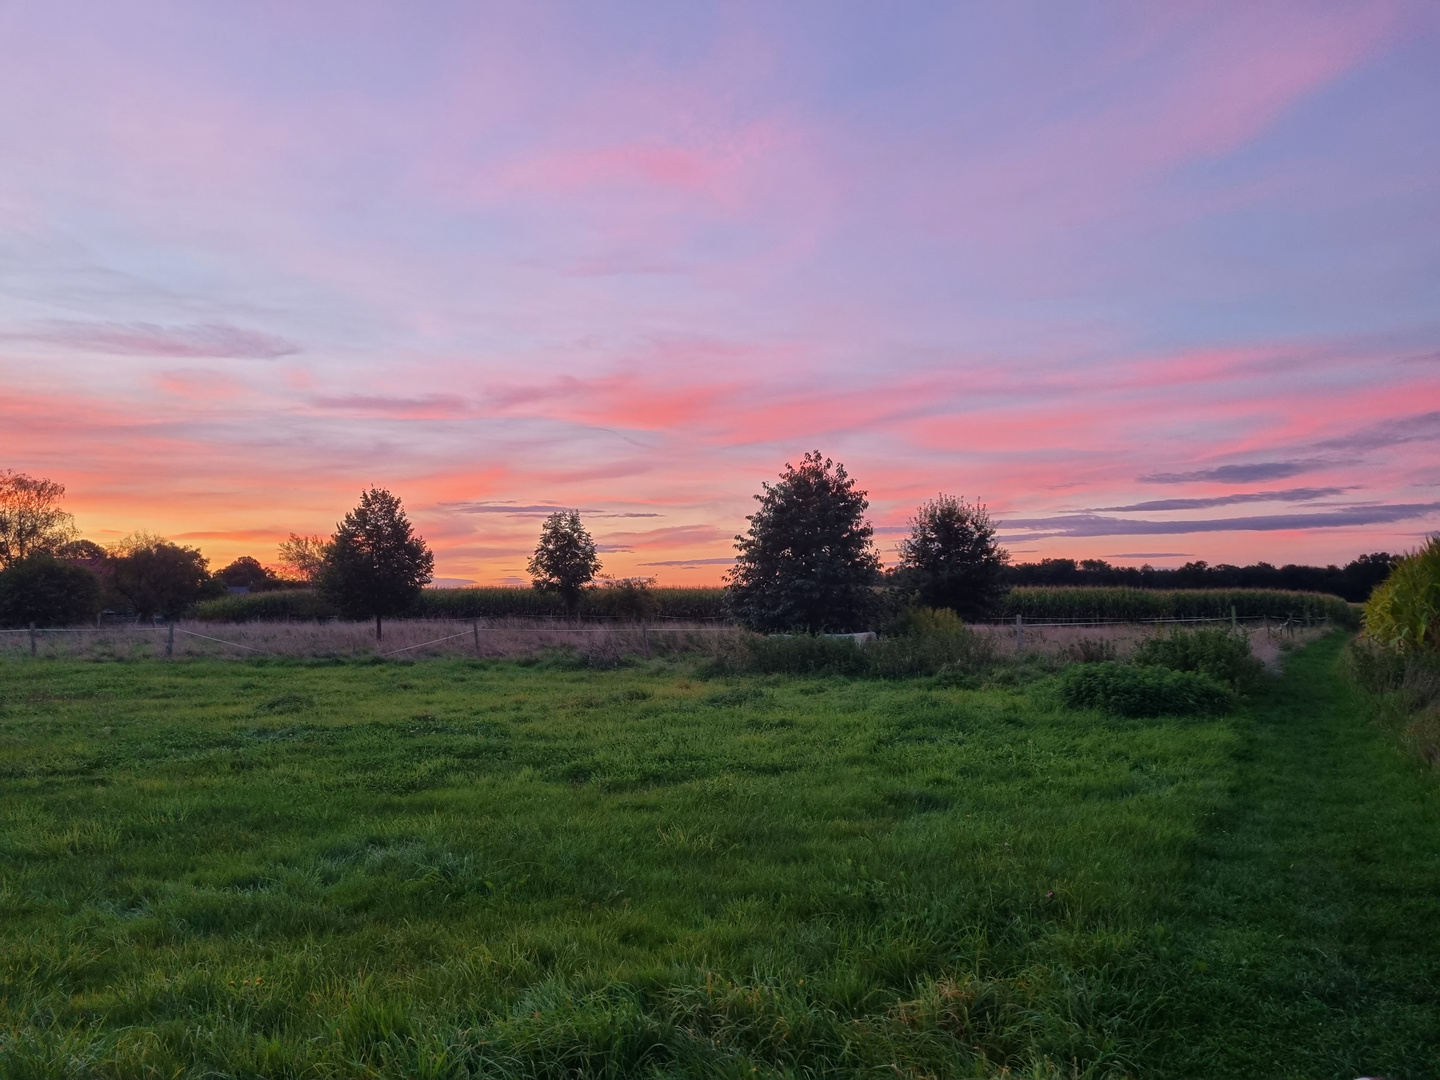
(47, 591)
(156, 577)
(375, 565)
(565, 560)
(807, 562)
(951, 559)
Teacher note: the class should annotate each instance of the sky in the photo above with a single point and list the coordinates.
(1153, 282)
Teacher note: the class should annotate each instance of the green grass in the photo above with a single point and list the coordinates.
(462, 868)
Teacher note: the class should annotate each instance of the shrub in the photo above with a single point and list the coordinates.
(1138, 691)
(926, 641)
(1221, 654)
(805, 654)
(48, 592)
(1404, 612)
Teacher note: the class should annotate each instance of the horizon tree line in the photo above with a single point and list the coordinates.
(807, 562)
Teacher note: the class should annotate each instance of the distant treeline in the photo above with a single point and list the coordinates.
(1354, 581)
(1112, 602)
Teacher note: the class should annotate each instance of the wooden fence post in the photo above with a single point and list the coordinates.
(170, 639)
(645, 638)
(475, 629)
(1232, 617)
(32, 639)
(1019, 632)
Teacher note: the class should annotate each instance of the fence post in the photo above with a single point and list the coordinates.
(1232, 617)
(32, 639)
(475, 629)
(1019, 632)
(170, 639)
(645, 638)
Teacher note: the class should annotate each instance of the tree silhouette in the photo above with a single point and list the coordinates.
(158, 577)
(47, 591)
(30, 516)
(564, 559)
(951, 559)
(376, 566)
(807, 562)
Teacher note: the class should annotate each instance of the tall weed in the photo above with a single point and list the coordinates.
(1220, 654)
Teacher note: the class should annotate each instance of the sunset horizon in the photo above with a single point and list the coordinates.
(1153, 285)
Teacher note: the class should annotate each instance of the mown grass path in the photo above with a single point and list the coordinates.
(1309, 940)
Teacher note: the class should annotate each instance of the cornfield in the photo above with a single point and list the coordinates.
(697, 604)
(1080, 604)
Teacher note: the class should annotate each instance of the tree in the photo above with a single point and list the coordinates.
(157, 577)
(304, 557)
(951, 559)
(808, 562)
(375, 565)
(47, 591)
(246, 572)
(30, 516)
(564, 559)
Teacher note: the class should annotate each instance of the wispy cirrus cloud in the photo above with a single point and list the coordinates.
(1289, 495)
(201, 340)
(539, 510)
(1238, 474)
(1098, 525)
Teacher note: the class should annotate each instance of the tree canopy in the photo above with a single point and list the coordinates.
(303, 557)
(808, 562)
(47, 591)
(158, 577)
(247, 572)
(375, 565)
(30, 516)
(951, 558)
(565, 560)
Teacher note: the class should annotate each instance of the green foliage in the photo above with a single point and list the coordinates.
(43, 590)
(928, 641)
(1134, 691)
(805, 654)
(1221, 654)
(565, 561)
(807, 562)
(1403, 613)
(951, 558)
(1042, 603)
(157, 577)
(375, 565)
(633, 598)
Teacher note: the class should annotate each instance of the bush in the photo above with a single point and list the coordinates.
(45, 591)
(1132, 690)
(1221, 654)
(926, 641)
(1404, 612)
(805, 654)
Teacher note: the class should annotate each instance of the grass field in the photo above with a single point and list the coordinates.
(460, 867)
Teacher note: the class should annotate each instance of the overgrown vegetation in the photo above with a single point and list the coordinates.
(1218, 654)
(465, 868)
(1403, 614)
(1140, 690)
